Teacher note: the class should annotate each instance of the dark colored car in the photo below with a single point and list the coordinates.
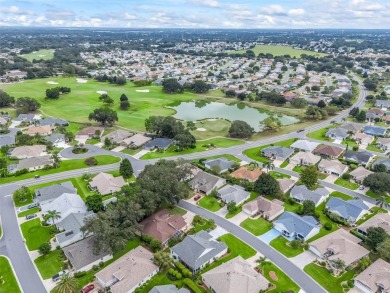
(32, 216)
(33, 205)
(36, 176)
(197, 197)
(57, 276)
(300, 130)
(88, 288)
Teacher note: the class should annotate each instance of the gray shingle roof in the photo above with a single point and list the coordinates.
(53, 121)
(196, 250)
(234, 193)
(168, 289)
(362, 157)
(296, 224)
(374, 130)
(220, 162)
(160, 143)
(349, 210)
(302, 193)
(6, 140)
(277, 151)
(54, 191)
(71, 226)
(204, 181)
(337, 132)
(383, 161)
(55, 137)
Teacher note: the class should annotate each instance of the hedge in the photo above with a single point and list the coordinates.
(191, 285)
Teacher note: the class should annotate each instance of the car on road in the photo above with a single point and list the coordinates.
(33, 205)
(88, 288)
(31, 216)
(37, 176)
(300, 130)
(57, 276)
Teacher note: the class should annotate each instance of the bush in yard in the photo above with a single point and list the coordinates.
(155, 244)
(232, 207)
(191, 285)
(146, 238)
(179, 276)
(91, 161)
(44, 248)
(295, 243)
(22, 194)
(353, 166)
(346, 176)
(101, 264)
(79, 274)
(350, 283)
(95, 268)
(170, 271)
(328, 226)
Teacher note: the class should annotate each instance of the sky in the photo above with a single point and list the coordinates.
(231, 14)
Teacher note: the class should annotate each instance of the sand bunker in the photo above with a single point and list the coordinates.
(81, 80)
(102, 92)
(201, 129)
(212, 119)
(142, 91)
(52, 82)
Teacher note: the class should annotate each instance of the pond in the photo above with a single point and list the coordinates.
(192, 111)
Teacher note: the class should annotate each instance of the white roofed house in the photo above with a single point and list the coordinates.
(233, 193)
(304, 159)
(332, 167)
(29, 151)
(106, 183)
(301, 193)
(304, 145)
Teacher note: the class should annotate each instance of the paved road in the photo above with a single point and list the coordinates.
(296, 274)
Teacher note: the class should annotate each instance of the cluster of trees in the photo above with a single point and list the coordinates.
(359, 115)
(378, 240)
(371, 84)
(378, 182)
(159, 184)
(316, 113)
(22, 105)
(124, 102)
(172, 86)
(240, 129)
(271, 123)
(6, 100)
(273, 98)
(119, 80)
(104, 116)
(54, 93)
(171, 128)
(198, 86)
(106, 99)
(142, 82)
(268, 185)
(342, 102)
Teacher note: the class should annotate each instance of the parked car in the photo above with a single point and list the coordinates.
(33, 205)
(196, 198)
(88, 288)
(361, 187)
(57, 276)
(36, 176)
(300, 130)
(31, 216)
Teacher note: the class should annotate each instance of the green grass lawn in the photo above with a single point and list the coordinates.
(9, 282)
(226, 156)
(51, 264)
(283, 284)
(372, 147)
(284, 164)
(210, 128)
(281, 244)
(256, 226)
(351, 143)
(375, 210)
(130, 152)
(205, 225)
(35, 234)
(210, 203)
(346, 183)
(298, 169)
(320, 134)
(323, 220)
(44, 54)
(158, 280)
(92, 141)
(252, 196)
(23, 203)
(278, 175)
(28, 212)
(340, 195)
(177, 211)
(200, 147)
(66, 165)
(326, 280)
(279, 51)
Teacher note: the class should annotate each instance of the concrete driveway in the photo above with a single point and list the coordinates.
(304, 259)
(237, 219)
(331, 178)
(222, 212)
(218, 232)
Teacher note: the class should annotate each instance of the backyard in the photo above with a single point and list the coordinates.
(256, 226)
(35, 234)
(8, 282)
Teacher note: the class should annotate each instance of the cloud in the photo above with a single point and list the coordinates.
(296, 12)
(209, 3)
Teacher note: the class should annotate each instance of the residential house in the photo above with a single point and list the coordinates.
(135, 141)
(28, 118)
(359, 174)
(375, 278)
(301, 193)
(332, 167)
(159, 143)
(382, 104)
(163, 226)
(47, 194)
(352, 127)
(7, 140)
(339, 245)
(359, 157)
(247, 174)
(373, 114)
(128, 272)
(53, 122)
(304, 145)
(81, 254)
(381, 220)
(233, 276)
(117, 136)
(304, 159)
(89, 133)
(328, 151)
(277, 152)
(286, 184)
(221, 165)
(31, 164)
(268, 209)
(57, 139)
(350, 211)
(363, 139)
(381, 161)
(198, 250)
(206, 183)
(375, 130)
(65, 204)
(233, 193)
(292, 226)
(28, 151)
(39, 130)
(383, 143)
(105, 183)
(337, 133)
(168, 289)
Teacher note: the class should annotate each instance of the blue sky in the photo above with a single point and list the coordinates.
(197, 13)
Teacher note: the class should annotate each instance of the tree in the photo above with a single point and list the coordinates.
(53, 93)
(378, 182)
(121, 80)
(126, 169)
(22, 194)
(6, 100)
(267, 185)
(269, 165)
(380, 168)
(172, 86)
(106, 99)
(354, 112)
(240, 129)
(66, 284)
(321, 104)
(124, 105)
(185, 140)
(24, 105)
(338, 264)
(163, 260)
(308, 207)
(231, 207)
(94, 203)
(105, 116)
(191, 125)
(361, 117)
(200, 87)
(262, 261)
(384, 249)
(382, 202)
(44, 248)
(375, 235)
(3, 167)
(164, 126)
(271, 123)
(56, 158)
(123, 98)
(309, 176)
(299, 103)
(363, 264)
(52, 215)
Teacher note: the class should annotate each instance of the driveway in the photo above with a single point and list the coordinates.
(331, 178)
(269, 236)
(218, 232)
(237, 219)
(222, 212)
(304, 259)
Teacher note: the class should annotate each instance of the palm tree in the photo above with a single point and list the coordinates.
(53, 215)
(56, 159)
(66, 284)
(382, 203)
(253, 165)
(262, 261)
(269, 165)
(163, 260)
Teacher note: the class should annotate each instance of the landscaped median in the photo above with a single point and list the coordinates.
(8, 281)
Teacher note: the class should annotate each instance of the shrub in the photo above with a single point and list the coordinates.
(95, 268)
(179, 276)
(291, 201)
(101, 264)
(350, 283)
(328, 226)
(353, 166)
(355, 148)
(295, 243)
(91, 161)
(191, 285)
(170, 271)
(146, 238)
(155, 244)
(80, 274)
(346, 176)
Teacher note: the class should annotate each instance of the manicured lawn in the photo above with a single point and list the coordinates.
(276, 50)
(44, 54)
(346, 183)
(372, 147)
(8, 282)
(23, 203)
(92, 141)
(256, 226)
(350, 143)
(323, 220)
(177, 211)
(284, 164)
(326, 280)
(210, 203)
(66, 165)
(279, 175)
(340, 195)
(210, 128)
(283, 284)
(205, 225)
(201, 146)
(281, 244)
(320, 134)
(298, 169)
(237, 247)
(130, 152)
(158, 280)
(35, 234)
(51, 264)
(375, 210)
(28, 212)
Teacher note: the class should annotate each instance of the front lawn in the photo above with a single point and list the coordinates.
(256, 226)
(323, 220)
(28, 212)
(35, 234)
(23, 203)
(284, 164)
(326, 280)
(340, 195)
(282, 245)
(177, 211)
(278, 175)
(372, 147)
(283, 283)
(372, 213)
(320, 134)
(346, 183)
(351, 143)
(8, 282)
(252, 196)
(210, 203)
(51, 264)
(298, 169)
